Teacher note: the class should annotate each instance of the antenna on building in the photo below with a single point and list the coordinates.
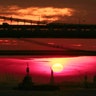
(27, 69)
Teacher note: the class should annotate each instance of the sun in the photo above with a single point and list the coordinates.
(57, 67)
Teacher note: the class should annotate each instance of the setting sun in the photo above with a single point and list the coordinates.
(57, 67)
(58, 64)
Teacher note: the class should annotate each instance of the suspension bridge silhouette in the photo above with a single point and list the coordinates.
(42, 29)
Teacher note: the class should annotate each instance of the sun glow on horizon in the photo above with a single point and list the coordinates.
(57, 67)
(58, 64)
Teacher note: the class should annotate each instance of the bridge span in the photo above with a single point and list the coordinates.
(48, 31)
(46, 47)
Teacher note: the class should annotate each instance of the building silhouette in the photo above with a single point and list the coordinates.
(27, 82)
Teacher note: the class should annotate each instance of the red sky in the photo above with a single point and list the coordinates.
(69, 11)
(40, 68)
(20, 44)
(66, 11)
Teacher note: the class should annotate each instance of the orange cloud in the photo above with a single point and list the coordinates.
(36, 13)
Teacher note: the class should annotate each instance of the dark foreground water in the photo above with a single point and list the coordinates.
(65, 92)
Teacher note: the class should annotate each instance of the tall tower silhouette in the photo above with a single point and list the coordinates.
(27, 82)
(27, 69)
(52, 77)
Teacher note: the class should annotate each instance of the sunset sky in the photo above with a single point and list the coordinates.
(13, 69)
(66, 11)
